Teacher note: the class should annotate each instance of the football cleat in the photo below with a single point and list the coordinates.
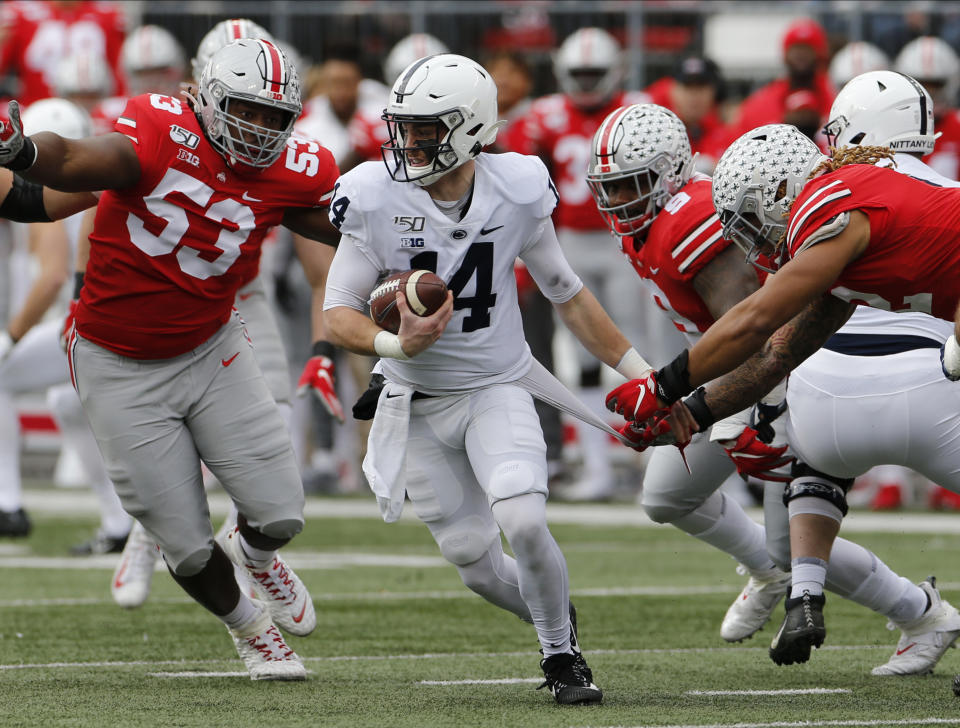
(99, 544)
(134, 573)
(753, 607)
(277, 586)
(569, 679)
(15, 523)
(925, 639)
(262, 649)
(802, 629)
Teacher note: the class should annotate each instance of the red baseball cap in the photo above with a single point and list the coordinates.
(809, 32)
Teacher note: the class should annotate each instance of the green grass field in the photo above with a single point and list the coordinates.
(400, 642)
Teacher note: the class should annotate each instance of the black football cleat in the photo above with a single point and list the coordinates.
(15, 524)
(99, 544)
(802, 629)
(569, 680)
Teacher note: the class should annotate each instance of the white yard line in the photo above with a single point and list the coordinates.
(798, 691)
(243, 673)
(802, 724)
(502, 681)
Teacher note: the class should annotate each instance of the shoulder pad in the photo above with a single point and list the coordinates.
(522, 178)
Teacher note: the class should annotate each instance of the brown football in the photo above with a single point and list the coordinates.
(425, 293)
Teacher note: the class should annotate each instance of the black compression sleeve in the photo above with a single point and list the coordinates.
(24, 202)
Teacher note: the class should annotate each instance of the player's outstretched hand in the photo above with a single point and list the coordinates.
(11, 133)
(319, 377)
(418, 333)
(637, 399)
(755, 458)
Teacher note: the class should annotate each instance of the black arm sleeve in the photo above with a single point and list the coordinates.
(24, 202)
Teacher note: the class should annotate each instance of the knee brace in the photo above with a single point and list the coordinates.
(467, 540)
(192, 564)
(814, 486)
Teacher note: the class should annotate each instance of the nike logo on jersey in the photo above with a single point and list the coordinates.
(246, 196)
(487, 231)
(908, 647)
(228, 362)
(391, 396)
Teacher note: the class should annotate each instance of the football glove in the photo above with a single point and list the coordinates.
(17, 152)
(950, 359)
(319, 377)
(637, 399)
(755, 458)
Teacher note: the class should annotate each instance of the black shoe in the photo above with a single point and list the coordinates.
(570, 680)
(802, 629)
(15, 523)
(99, 544)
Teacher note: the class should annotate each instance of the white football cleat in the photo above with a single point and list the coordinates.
(925, 639)
(278, 587)
(130, 586)
(262, 649)
(754, 605)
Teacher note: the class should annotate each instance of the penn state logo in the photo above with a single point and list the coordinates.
(458, 234)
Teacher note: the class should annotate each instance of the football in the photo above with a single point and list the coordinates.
(425, 293)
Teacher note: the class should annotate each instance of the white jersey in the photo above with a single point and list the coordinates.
(397, 227)
(870, 320)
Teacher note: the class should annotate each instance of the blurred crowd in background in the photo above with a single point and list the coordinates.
(560, 67)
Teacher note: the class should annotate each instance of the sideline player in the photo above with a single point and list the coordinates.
(164, 370)
(630, 149)
(455, 425)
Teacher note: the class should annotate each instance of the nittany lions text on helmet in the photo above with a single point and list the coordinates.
(646, 147)
(589, 67)
(254, 71)
(882, 108)
(755, 183)
(453, 94)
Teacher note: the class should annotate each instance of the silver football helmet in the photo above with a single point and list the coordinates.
(755, 183)
(934, 63)
(83, 73)
(252, 71)
(646, 148)
(454, 94)
(224, 32)
(589, 67)
(882, 108)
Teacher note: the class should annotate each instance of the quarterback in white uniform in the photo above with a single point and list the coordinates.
(455, 426)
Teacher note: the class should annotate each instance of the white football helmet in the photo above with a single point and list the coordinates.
(407, 50)
(84, 73)
(931, 60)
(755, 183)
(452, 92)
(254, 71)
(882, 108)
(855, 58)
(59, 116)
(646, 146)
(589, 67)
(224, 32)
(150, 48)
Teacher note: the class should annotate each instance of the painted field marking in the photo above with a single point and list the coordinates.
(804, 723)
(501, 681)
(798, 691)
(243, 673)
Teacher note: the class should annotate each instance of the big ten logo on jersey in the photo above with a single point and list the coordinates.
(184, 137)
(302, 156)
(676, 202)
(185, 155)
(412, 242)
(408, 223)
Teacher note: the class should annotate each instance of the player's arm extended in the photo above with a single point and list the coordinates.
(29, 202)
(578, 308)
(313, 223)
(103, 162)
(743, 330)
(725, 281)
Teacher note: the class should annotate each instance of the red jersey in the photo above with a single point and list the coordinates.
(767, 105)
(912, 262)
(709, 138)
(104, 115)
(683, 238)
(945, 158)
(367, 132)
(560, 133)
(169, 254)
(35, 36)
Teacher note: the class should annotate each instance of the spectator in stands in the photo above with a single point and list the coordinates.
(694, 92)
(804, 57)
(36, 36)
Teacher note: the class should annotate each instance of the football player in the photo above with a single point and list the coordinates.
(589, 68)
(836, 233)
(671, 227)
(455, 427)
(165, 371)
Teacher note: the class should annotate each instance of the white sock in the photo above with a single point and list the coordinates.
(243, 614)
(809, 575)
(256, 557)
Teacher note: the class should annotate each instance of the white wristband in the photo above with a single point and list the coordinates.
(632, 365)
(388, 345)
(951, 356)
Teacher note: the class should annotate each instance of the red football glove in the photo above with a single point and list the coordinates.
(12, 139)
(318, 376)
(637, 399)
(755, 458)
(69, 325)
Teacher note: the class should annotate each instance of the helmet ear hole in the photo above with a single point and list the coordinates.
(781, 190)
